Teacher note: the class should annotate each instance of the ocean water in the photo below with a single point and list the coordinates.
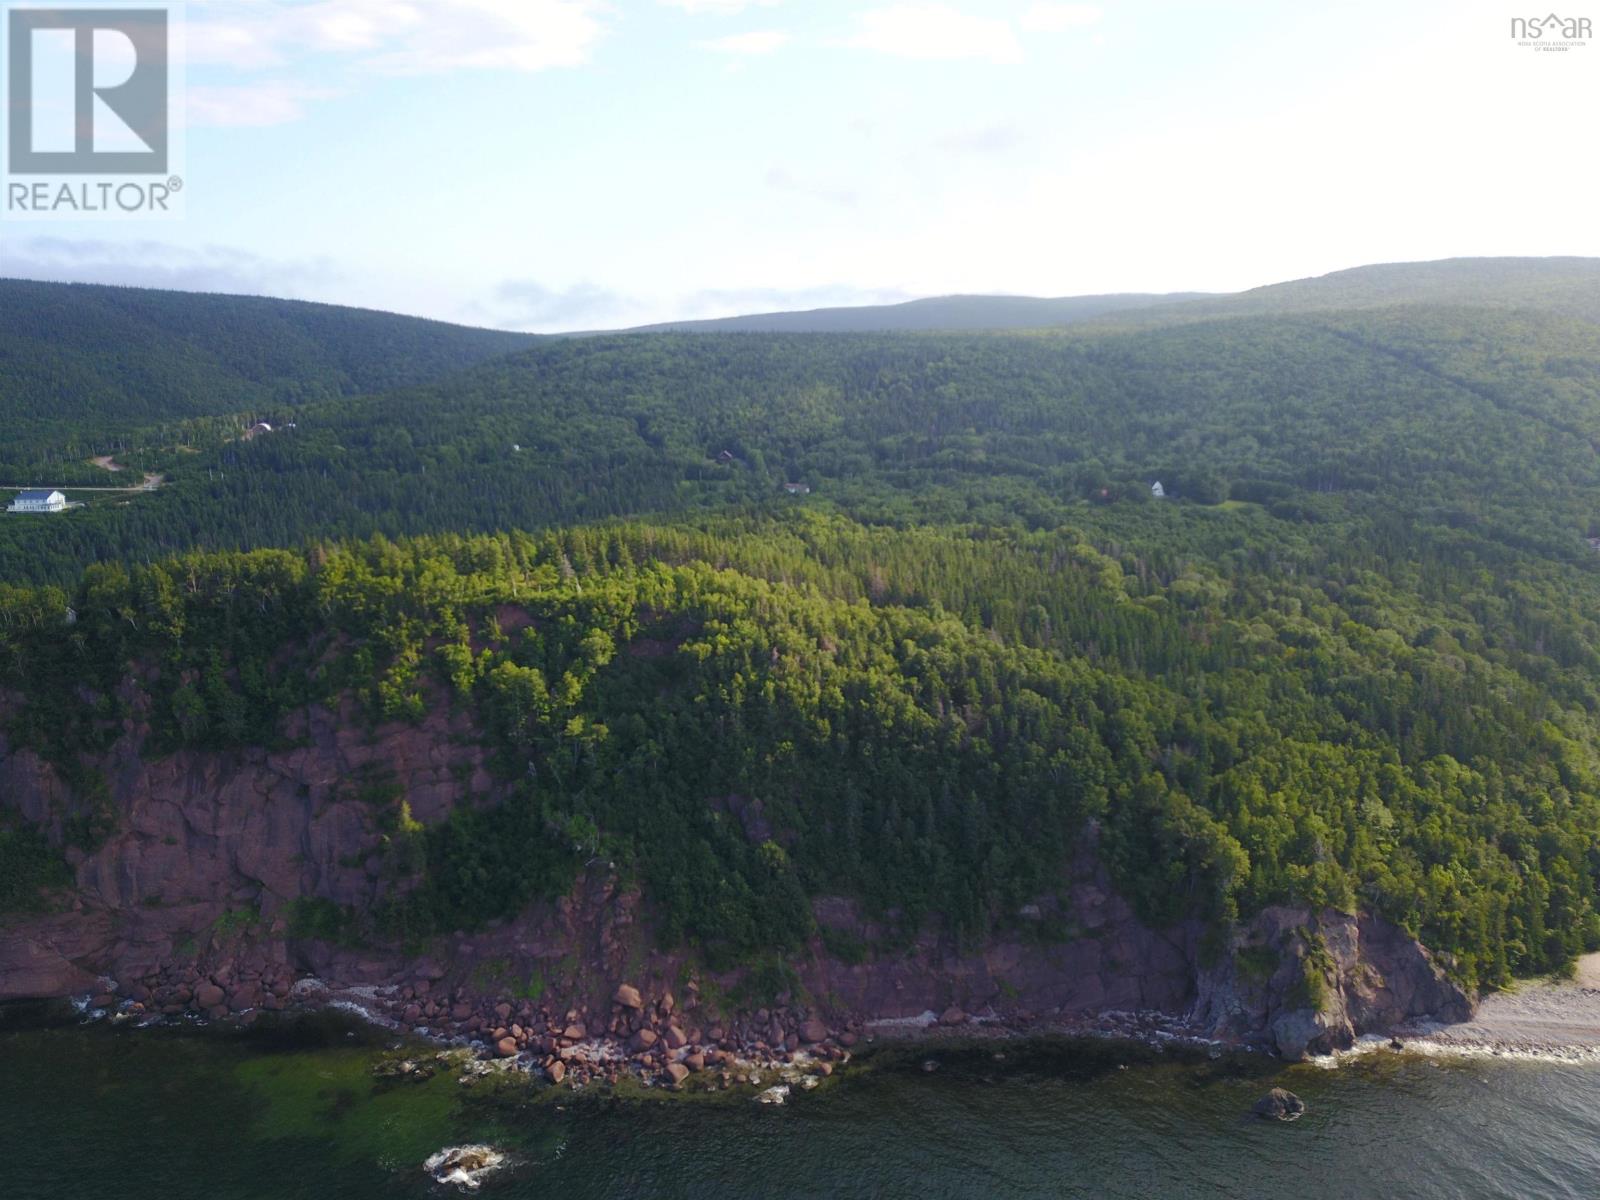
(294, 1112)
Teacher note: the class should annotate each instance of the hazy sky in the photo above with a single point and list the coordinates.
(556, 164)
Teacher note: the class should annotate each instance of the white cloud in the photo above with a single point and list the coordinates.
(783, 180)
(982, 139)
(1058, 18)
(159, 264)
(935, 32)
(719, 8)
(529, 304)
(270, 102)
(397, 36)
(763, 41)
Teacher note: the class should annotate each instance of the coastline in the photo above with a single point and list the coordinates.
(650, 1042)
(1543, 1021)
(1547, 1019)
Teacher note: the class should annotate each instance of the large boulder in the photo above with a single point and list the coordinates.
(628, 996)
(1280, 1105)
(245, 997)
(209, 995)
(464, 1167)
(813, 1031)
(1302, 1031)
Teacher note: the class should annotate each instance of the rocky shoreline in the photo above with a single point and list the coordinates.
(657, 1040)
(653, 1039)
(586, 1030)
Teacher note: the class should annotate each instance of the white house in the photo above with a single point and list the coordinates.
(1156, 490)
(38, 502)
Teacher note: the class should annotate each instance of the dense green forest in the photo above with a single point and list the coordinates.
(933, 721)
(88, 370)
(1351, 659)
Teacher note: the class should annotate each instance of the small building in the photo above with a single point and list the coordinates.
(256, 430)
(797, 489)
(1156, 490)
(38, 502)
(725, 458)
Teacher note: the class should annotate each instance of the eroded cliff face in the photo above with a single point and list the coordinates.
(1311, 983)
(185, 906)
(200, 835)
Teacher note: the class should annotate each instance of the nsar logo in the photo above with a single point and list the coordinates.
(1552, 32)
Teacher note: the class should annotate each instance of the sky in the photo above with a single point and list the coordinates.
(572, 164)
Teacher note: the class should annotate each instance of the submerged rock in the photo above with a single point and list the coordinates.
(464, 1166)
(1280, 1105)
(776, 1094)
(406, 1068)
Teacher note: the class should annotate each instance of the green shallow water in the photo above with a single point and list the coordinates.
(94, 1111)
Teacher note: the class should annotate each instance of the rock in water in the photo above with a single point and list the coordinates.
(773, 1095)
(1280, 1105)
(464, 1166)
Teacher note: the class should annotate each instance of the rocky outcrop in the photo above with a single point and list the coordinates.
(54, 956)
(1311, 983)
(186, 906)
(199, 835)
(1280, 1105)
(1097, 956)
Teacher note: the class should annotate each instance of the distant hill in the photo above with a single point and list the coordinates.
(72, 351)
(938, 313)
(1567, 286)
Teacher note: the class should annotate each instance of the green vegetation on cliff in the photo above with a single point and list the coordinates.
(935, 722)
(1352, 660)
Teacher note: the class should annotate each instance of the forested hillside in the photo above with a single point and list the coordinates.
(1475, 421)
(1350, 659)
(1568, 286)
(929, 721)
(89, 370)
